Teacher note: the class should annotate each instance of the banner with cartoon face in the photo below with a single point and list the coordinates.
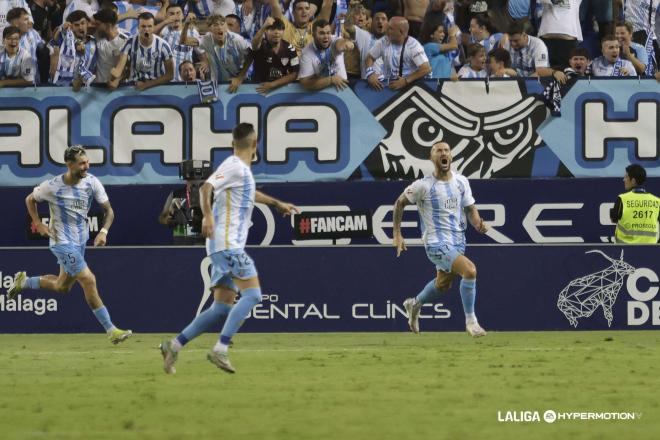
(496, 129)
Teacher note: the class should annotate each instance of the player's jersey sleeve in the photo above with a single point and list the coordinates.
(99, 191)
(45, 192)
(415, 191)
(468, 199)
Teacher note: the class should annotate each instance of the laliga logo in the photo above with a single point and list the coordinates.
(640, 310)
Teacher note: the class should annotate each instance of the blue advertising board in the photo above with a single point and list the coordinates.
(321, 289)
(518, 210)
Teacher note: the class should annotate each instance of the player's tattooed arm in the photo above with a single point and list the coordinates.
(475, 219)
(397, 238)
(108, 218)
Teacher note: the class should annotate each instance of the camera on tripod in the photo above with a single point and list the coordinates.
(195, 173)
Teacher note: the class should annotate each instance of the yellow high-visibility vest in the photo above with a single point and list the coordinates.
(639, 218)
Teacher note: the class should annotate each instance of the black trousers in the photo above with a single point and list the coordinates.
(559, 51)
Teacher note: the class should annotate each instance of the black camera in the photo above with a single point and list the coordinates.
(195, 172)
(195, 169)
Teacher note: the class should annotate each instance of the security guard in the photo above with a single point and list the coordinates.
(636, 211)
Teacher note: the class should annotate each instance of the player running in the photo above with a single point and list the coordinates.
(444, 201)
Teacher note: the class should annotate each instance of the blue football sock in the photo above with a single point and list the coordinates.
(104, 317)
(249, 298)
(468, 294)
(32, 283)
(203, 322)
(429, 293)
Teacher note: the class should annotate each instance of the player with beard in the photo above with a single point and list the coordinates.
(322, 63)
(275, 60)
(69, 197)
(445, 204)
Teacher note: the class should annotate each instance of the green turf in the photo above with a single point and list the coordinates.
(330, 386)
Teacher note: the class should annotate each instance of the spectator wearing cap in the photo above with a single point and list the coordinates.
(149, 57)
(276, 61)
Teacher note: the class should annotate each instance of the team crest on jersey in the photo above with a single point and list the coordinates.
(451, 203)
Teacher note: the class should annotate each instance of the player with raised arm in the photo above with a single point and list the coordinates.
(69, 197)
(225, 225)
(444, 201)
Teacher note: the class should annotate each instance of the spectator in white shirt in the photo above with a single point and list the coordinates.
(16, 67)
(109, 42)
(610, 64)
(30, 39)
(7, 5)
(476, 67)
(529, 55)
(560, 29)
(404, 59)
(224, 54)
(322, 62)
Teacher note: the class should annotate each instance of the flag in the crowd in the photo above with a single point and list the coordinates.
(650, 66)
(208, 91)
(552, 97)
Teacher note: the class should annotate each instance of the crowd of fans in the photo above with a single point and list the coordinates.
(321, 43)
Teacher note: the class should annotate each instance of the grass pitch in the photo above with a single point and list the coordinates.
(330, 386)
